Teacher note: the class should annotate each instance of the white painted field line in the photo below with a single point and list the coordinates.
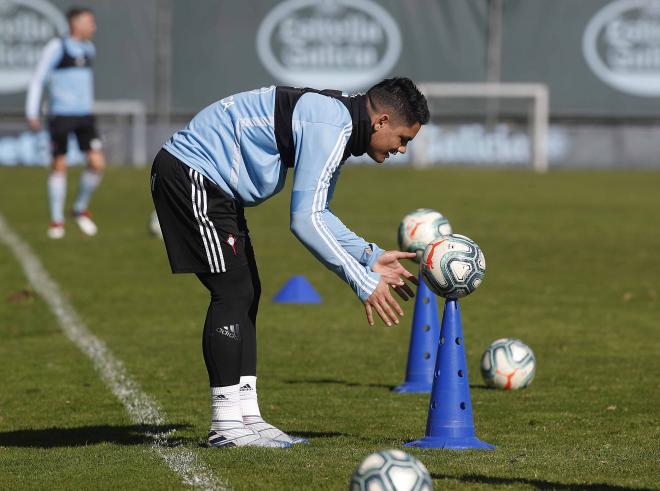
(141, 408)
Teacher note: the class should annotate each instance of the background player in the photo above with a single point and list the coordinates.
(66, 66)
(236, 153)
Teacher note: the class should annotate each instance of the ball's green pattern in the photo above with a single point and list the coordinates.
(453, 266)
(391, 470)
(508, 363)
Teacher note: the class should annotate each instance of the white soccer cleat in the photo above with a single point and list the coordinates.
(84, 221)
(242, 438)
(55, 230)
(267, 430)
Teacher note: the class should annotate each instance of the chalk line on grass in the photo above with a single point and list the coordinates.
(141, 408)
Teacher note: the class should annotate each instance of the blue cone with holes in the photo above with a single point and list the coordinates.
(450, 423)
(423, 342)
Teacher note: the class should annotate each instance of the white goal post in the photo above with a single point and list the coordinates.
(535, 92)
(137, 112)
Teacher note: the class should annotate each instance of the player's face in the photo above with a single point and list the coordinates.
(83, 26)
(389, 138)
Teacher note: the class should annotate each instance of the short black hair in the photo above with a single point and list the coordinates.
(402, 96)
(74, 12)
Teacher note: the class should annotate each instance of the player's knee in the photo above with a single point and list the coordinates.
(242, 291)
(256, 290)
(58, 164)
(97, 166)
(231, 287)
(96, 160)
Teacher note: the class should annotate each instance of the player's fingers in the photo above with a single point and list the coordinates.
(405, 275)
(391, 278)
(413, 279)
(400, 291)
(385, 305)
(408, 290)
(383, 315)
(404, 255)
(391, 306)
(370, 315)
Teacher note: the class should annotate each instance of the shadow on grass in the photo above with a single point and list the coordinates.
(345, 383)
(317, 434)
(90, 435)
(536, 483)
(304, 434)
(331, 381)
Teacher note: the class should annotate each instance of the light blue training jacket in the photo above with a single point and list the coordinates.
(232, 143)
(70, 88)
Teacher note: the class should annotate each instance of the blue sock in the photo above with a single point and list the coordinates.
(57, 195)
(89, 180)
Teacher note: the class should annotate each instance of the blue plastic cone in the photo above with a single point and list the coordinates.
(450, 423)
(297, 289)
(423, 342)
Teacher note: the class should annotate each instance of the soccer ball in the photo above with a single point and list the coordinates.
(453, 266)
(421, 227)
(391, 470)
(154, 225)
(508, 364)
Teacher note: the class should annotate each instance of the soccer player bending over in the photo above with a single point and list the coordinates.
(66, 66)
(236, 153)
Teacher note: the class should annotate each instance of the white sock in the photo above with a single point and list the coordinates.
(89, 181)
(57, 195)
(227, 428)
(249, 402)
(252, 416)
(226, 409)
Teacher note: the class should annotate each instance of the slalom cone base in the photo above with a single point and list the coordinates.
(411, 387)
(464, 443)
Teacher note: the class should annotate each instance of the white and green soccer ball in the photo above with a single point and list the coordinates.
(391, 470)
(421, 227)
(453, 266)
(508, 364)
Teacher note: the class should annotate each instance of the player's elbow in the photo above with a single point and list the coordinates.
(302, 227)
(296, 226)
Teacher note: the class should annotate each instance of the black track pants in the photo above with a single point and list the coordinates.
(229, 342)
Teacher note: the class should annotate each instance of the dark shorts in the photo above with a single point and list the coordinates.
(84, 128)
(204, 228)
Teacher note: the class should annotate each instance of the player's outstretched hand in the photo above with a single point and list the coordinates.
(382, 301)
(393, 272)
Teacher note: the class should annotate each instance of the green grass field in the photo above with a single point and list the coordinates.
(573, 268)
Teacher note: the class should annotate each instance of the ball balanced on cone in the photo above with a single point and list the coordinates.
(453, 266)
